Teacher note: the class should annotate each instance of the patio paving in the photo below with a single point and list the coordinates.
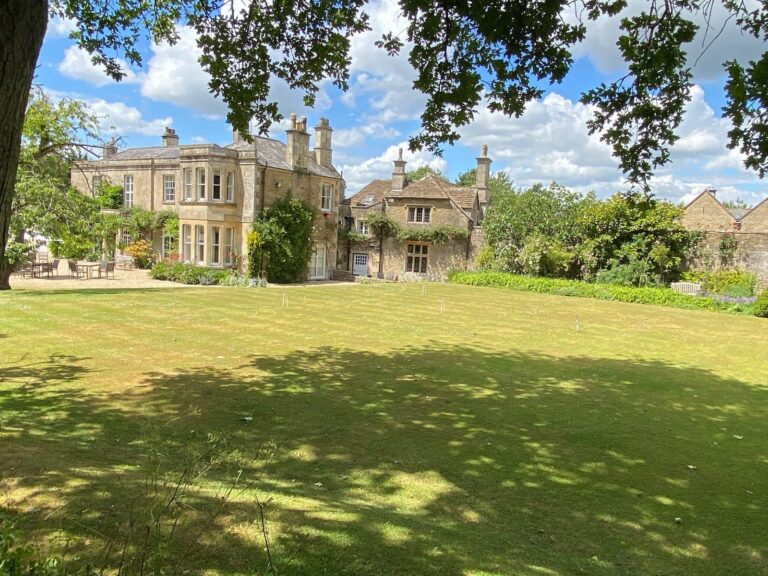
(65, 281)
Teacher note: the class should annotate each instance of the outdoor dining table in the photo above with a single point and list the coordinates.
(38, 268)
(88, 268)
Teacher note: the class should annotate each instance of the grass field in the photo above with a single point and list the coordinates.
(462, 431)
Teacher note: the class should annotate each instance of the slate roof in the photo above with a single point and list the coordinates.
(376, 190)
(272, 153)
(152, 152)
(429, 187)
(269, 152)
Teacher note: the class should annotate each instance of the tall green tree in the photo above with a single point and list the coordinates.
(465, 53)
(498, 183)
(43, 204)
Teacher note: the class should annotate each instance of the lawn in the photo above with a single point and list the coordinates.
(385, 429)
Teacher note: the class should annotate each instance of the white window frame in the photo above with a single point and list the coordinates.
(363, 228)
(216, 186)
(126, 238)
(230, 186)
(229, 241)
(96, 182)
(186, 236)
(167, 246)
(416, 257)
(169, 188)
(199, 244)
(326, 197)
(200, 180)
(188, 194)
(419, 214)
(215, 245)
(128, 190)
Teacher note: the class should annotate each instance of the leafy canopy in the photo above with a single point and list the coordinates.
(551, 231)
(504, 54)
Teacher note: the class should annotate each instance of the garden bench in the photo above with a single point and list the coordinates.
(690, 288)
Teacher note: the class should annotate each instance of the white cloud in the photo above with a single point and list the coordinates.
(729, 41)
(77, 64)
(549, 142)
(385, 83)
(119, 119)
(360, 174)
(60, 27)
(174, 75)
(359, 135)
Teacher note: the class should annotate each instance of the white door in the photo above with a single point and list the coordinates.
(317, 264)
(360, 264)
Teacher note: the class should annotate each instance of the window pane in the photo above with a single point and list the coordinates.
(200, 183)
(217, 185)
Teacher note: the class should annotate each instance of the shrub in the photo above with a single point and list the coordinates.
(189, 274)
(730, 282)
(485, 259)
(656, 296)
(141, 252)
(760, 307)
(110, 196)
(281, 241)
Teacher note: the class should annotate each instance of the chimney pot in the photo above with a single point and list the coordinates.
(482, 175)
(110, 149)
(398, 176)
(170, 138)
(323, 148)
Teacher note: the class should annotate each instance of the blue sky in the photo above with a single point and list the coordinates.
(380, 111)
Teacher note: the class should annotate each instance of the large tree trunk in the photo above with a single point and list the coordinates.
(22, 28)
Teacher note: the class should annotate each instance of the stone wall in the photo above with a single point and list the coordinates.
(751, 254)
(706, 214)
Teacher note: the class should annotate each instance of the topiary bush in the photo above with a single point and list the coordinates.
(760, 307)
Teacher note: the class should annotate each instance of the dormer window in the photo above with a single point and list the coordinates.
(418, 214)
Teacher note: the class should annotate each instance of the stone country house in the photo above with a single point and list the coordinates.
(218, 191)
(421, 205)
(745, 229)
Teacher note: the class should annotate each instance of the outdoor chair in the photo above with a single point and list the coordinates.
(27, 269)
(53, 268)
(73, 269)
(105, 267)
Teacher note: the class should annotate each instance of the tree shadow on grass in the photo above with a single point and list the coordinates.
(433, 460)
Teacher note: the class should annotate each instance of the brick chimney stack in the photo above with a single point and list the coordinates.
(323, 149)
(398, 176)
(297, 144)
(170, 138)
(110, 149)
(482, 175)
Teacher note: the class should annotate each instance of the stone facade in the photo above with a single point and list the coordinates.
(749, 227)
(219, 191)
(426, 203)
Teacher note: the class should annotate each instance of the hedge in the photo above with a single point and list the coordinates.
(655, 296)
(189, 274)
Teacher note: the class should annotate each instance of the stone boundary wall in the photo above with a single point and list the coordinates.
(751, 254)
